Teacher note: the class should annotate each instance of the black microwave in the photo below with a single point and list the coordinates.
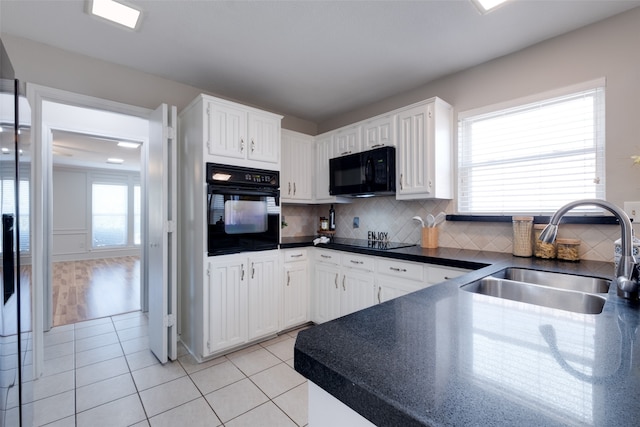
(364, 174)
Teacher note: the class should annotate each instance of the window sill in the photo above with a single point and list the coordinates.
(602, 219)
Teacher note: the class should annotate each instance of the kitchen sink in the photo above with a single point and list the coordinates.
(569, 282)
(538, 294)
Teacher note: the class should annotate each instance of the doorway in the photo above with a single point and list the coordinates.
(96, 212)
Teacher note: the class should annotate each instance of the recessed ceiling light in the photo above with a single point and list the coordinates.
(117, 12)
(485, 6)
(125, 144)
(115, 161)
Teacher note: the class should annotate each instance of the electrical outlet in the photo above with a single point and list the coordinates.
(633, 210)
(356, 222)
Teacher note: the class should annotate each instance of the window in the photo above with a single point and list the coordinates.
(109, 214)
(533, 157)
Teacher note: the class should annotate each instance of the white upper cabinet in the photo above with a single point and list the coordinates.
(347, 140)
(424, 155)
(264, 137)
(232, 133)
(296, 179)
(379, 132)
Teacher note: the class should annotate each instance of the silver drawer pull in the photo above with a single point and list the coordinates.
(325, 256)
(296, 256)
(401, 270)
(356, 262)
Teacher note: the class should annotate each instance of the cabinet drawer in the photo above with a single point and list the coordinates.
(440, 274)
(295, 255)
(359, 262)
(405, 270)
(327, 256)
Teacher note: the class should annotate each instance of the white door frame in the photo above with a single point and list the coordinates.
(42, 203)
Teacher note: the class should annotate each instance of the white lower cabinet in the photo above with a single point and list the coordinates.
(240, 300)
(396, 278)
(343, 283)
(295, 289)
(326, 293)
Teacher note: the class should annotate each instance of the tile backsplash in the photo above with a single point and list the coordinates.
(386, 214)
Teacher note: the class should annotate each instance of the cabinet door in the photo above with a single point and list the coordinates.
(262, 275)
(380, 132)
(264, 138)
(226, 305)
(295, 299)
(358, 292)
(227, 131)
(326, 294)
(324, 152)
(388, 288)
(414, 152)
(347, 141)
(297, 161)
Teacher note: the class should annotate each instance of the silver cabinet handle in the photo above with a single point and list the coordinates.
(401, 181)
(377, 145)
(326, 256)
(242, 268)
(289, 189)
(401, 270)
(294, 188)
(379, 290)
(336, 280)
(241, 145)
(343, 286)
(288, 277)
(253, 145)
(346, 152)
(353, 261)
(296, 256)
(253, 271)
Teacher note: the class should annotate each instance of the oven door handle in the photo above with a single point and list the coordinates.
(268, 192)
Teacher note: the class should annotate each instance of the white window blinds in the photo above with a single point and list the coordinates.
(534, 157)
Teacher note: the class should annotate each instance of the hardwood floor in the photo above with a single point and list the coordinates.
(90, 289)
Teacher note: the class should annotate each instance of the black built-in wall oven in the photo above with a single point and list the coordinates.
(243, 209)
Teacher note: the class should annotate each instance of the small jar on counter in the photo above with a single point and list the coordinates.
(568, 249)
(522, 228)
(541, 249)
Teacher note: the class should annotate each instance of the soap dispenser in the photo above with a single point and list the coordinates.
(332, 219)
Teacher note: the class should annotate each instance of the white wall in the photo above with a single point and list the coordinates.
(72, 213)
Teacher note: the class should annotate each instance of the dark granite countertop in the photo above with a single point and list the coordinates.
(444, 356)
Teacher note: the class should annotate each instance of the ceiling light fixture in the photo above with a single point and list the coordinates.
(485, 6)
(117, 12)
(125, 144)
(115, 161)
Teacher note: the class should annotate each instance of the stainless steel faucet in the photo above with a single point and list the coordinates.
(626, 275)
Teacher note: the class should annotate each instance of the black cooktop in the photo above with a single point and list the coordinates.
(369, 244)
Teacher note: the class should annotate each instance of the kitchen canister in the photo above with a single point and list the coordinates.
(541, 249)
(522, 236)
(568, 249)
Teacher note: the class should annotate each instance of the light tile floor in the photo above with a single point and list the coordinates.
(102, 373)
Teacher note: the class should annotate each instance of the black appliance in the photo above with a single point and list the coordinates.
(364, 174)
(243, 209)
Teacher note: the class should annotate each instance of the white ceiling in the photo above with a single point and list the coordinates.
(309, 59)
